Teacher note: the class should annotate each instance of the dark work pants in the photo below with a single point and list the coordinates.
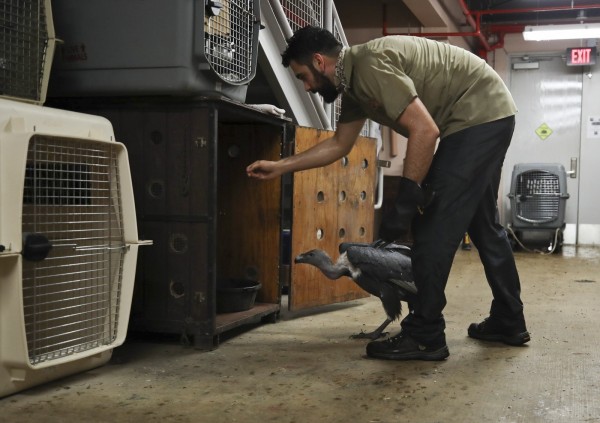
(465, 175)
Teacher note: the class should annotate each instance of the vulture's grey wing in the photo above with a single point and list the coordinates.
(381, 264)
(402, 249)
(343, 247)
(408, 286)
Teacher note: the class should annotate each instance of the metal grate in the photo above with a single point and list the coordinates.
(228, 41)
(23, 46)
(538, 196)
(301, 13)
(72, 196)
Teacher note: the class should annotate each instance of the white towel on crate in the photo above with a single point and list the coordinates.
(268, 108)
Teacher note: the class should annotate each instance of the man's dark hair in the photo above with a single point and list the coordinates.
(307, 41)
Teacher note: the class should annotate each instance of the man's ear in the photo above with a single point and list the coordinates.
(318, 62)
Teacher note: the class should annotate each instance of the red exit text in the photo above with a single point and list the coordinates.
(581, 56)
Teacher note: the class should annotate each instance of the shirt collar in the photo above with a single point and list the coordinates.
(341, 82)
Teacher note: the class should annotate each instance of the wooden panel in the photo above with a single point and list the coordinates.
(156, 153)
(332, 204)
(171, 280)
(248, 221)
(196, 178)
(126, 126)
(208, 220)
(227, 321)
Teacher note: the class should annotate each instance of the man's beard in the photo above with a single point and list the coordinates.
(326, 88)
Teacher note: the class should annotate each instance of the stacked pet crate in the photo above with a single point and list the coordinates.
(172, 77)
(154, 47)
(68, 233)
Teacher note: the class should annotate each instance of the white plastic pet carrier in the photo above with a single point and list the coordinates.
(68, 244)
(155, 47)
(538, 198)
(27, 46)
(68, 234)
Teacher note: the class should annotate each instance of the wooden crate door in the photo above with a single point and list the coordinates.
(249, 210)
(331, 205)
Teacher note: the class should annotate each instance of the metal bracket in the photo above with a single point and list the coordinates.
(573, 172)
(384, 163)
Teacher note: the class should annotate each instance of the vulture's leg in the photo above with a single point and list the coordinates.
(376, 334)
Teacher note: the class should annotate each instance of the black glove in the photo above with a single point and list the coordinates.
(410, 200)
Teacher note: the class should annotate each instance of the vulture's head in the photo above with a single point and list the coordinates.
(318, 258)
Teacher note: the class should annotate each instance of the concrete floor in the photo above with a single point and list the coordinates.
(305, 368)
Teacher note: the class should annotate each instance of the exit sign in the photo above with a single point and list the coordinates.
(581, 56)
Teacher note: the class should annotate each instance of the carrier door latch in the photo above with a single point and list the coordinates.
(35, 247)
(573, 172)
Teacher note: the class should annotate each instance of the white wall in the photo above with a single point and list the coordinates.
(589, 164)
(589, 200)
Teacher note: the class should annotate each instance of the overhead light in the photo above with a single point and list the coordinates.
(526, 65)
(561, 32)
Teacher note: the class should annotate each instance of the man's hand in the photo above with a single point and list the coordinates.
(395, 225)
(263, 169)
(320, 154)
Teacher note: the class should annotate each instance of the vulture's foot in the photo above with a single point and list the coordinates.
(376, 334)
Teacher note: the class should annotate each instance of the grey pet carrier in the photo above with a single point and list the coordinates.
(538, 198)
(155, 47)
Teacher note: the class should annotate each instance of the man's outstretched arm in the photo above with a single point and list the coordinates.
(321, 154)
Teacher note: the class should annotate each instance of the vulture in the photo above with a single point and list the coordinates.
(383, 270)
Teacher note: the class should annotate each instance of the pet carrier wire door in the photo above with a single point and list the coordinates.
(155, 47)
(27, 49)
(300, 13)
(68, 244)
(538, 197)
(229, 45)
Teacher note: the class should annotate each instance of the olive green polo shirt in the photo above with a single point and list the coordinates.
(459, 89)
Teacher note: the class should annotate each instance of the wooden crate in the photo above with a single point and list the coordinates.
(332, 204)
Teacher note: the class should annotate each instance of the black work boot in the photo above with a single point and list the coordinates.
(403, 347)
(490, 330)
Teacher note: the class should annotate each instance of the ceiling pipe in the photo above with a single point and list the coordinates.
(535, 9)
(475, 23)
(474, 20)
